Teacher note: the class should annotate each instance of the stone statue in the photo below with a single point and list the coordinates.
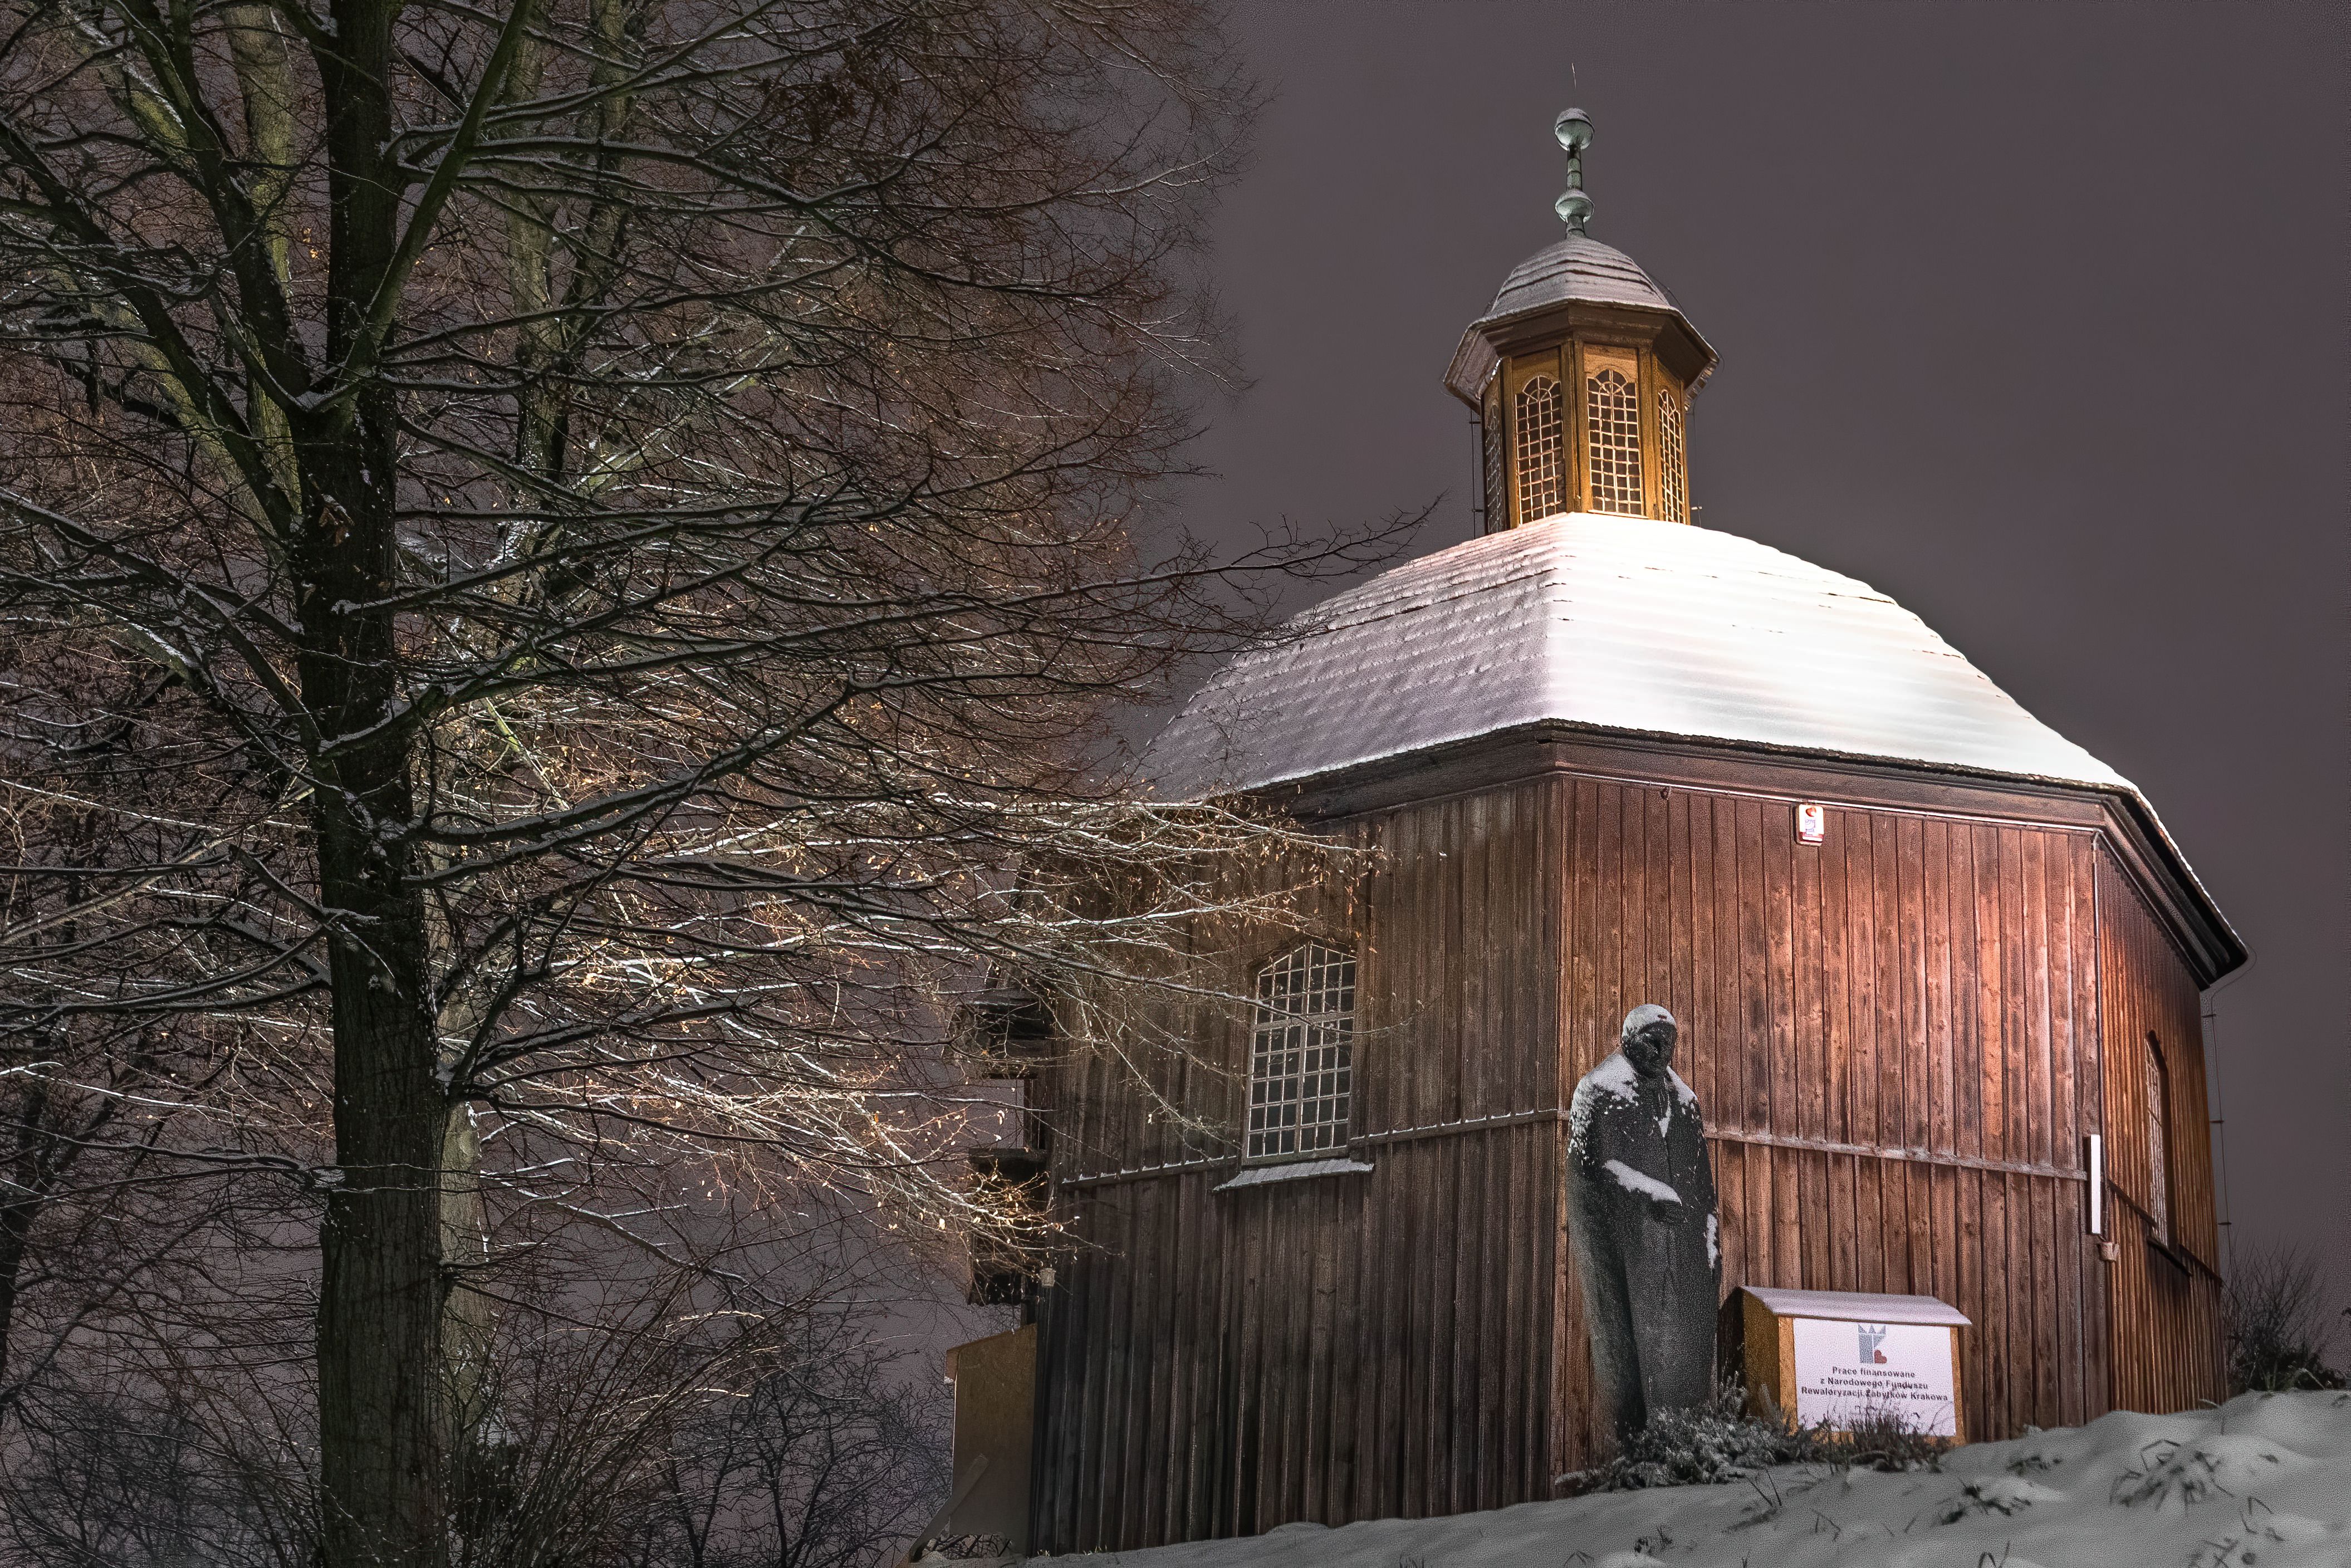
(1640, 1192)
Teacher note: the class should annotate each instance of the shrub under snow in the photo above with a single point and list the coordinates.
(1722, 1441)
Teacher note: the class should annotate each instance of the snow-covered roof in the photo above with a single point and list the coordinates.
(1577, 268)
(1623, 624)
(1856, 1306)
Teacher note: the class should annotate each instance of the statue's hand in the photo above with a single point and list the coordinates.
(1666, 1211)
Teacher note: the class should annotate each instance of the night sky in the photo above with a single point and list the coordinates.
(2031, 316)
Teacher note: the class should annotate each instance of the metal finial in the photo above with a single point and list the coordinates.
(1574, 129)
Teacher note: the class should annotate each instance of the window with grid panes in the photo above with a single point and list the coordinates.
(2158, 1154)
(1489, 435)
(1672, 476)
(1542, 478)
(1301, 1053)
(1611, 416)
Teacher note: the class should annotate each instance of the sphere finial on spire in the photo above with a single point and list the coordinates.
(1574, 129)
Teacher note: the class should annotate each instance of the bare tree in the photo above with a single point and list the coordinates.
(124, 1137)
(2278, 1323)
(101, 1477)
(570, 553)
(655, 1438)
(827, 1451)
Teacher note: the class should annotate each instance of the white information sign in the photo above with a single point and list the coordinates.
(1850, 1370)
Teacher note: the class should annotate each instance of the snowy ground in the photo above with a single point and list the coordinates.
(2262, 1483)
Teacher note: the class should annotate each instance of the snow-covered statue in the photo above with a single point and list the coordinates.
(1640, 1194)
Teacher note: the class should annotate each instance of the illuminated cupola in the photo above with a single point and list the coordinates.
(1581, 375)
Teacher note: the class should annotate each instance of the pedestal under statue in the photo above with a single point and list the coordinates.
(1641, 1213)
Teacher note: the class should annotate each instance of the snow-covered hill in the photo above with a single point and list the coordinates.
(2262, 1483)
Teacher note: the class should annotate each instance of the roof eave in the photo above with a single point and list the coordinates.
(2208, 941)
(1472, 367)
(1488, 337)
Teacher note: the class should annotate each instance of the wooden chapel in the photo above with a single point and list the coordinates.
(1924, 951)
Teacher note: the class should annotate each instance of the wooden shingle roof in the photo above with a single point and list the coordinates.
(1624, 624)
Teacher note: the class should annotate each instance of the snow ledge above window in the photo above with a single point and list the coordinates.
(1295, 1170)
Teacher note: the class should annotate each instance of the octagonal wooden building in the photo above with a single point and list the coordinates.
(1924, 949)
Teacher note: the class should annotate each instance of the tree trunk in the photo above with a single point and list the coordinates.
(382, 1288)
(16, 1215)
(15, 1231)
(381, 1293)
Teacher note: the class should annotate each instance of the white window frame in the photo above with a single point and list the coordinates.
(1301, 1056)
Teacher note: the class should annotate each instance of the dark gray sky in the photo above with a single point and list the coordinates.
(2031, 316)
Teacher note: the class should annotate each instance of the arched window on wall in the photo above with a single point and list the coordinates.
(1612, 414)
(1542, 479)
(1301, 1053)
(1673, 481)
(2158, 1142)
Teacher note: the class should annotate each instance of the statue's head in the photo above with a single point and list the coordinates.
(1648, 1038)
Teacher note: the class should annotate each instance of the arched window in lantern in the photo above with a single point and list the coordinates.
(1672, 477)
(1495, 499)
(1611, 416)
(1542, 478)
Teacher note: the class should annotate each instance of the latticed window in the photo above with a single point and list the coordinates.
(1301, 1052)
(2158, 1156)
(1489, 435)
(1542, 482)
(1612, 412)
(1672, 476)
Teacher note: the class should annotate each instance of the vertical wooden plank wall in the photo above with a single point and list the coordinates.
(1893, 1035)
(1896, 1038)
(2167, 1324)
(1336, 1347)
